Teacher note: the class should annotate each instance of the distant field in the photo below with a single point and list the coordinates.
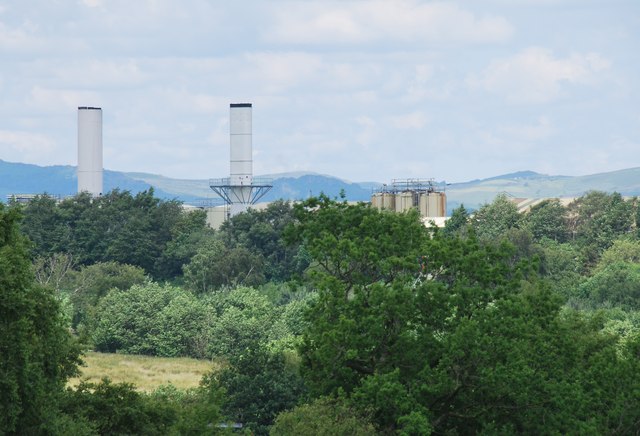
(146, 372)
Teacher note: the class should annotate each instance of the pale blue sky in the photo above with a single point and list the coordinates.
(363, 90)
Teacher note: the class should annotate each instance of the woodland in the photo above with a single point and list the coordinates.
(326, 318)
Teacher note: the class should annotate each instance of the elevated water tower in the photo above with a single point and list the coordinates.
(240, 189)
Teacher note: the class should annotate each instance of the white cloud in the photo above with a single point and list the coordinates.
(414, 121)
(63, 99)
(540, 130)
(24, 146)
(535, 76)
(283, 70)
(92, 3)
(384, 21)
(19, 40)
(97, 73)
(367, 133)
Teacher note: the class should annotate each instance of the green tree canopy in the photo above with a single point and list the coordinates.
(114, 227)
(261, 232)
(37, 354)
(216, 265)
(597, 219)
(622, 250)
(259, 384)
(358, 244)
(322, 417)
(458, 221)
(471, 342)
(616, 284)
(547, 219)
(151, 319)
(492, 220)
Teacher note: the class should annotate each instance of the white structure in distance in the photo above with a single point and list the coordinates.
(241, 156)
(240, 189)
(90, 150)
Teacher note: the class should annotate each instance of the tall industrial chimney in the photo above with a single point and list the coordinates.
(90, 150)
(241, 152)
(240, 190)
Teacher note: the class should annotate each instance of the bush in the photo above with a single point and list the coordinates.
(322, 417)
(151, 319)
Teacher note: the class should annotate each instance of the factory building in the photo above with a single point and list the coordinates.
(405, 194)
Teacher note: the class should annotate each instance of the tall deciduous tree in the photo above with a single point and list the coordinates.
(547, 219)
(215, 265)
(470, 343)
(492, 220)
(37, 354)
(357, 244)
(115, 227)
(261, 232)
(458, 221)
(150, 319)
(597, 219)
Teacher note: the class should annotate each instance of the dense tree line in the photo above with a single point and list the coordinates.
(459, 331)
(330, 318)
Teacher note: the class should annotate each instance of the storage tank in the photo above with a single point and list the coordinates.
(388, 201)
(436, 204)
(404, 201)
(376, 200)
(423, 204)
(90, 150)
(442, 207)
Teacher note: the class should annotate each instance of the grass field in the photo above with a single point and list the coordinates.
(146, 372)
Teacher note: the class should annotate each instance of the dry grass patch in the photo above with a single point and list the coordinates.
(145, 372)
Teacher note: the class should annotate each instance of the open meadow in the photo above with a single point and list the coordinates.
(145, 372)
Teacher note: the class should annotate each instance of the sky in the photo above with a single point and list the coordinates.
(361, 90)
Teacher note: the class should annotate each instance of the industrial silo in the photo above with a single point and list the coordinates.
(404, 201)
(90, 150)
(388, 201)
(423, 204)
(436, 204)
(376, 200)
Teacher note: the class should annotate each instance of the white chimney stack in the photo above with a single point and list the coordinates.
(90, 150)
(241, 170)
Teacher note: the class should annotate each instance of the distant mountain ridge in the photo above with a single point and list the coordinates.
(528, 184)
(61, 180)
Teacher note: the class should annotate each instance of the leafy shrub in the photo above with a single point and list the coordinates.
(150, 319)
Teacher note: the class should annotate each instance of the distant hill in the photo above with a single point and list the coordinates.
(528, 184)
(58, 180)
(20, 178)
(289, 187)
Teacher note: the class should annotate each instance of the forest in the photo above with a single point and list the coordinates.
(328, 318)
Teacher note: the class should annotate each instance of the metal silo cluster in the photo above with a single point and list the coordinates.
(404, 194)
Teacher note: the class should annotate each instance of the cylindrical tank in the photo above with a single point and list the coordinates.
(436, 205)
(90, 150)
(404, 201)
(376, 200)
(388, 201)
(423, 204)
(443, 204)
